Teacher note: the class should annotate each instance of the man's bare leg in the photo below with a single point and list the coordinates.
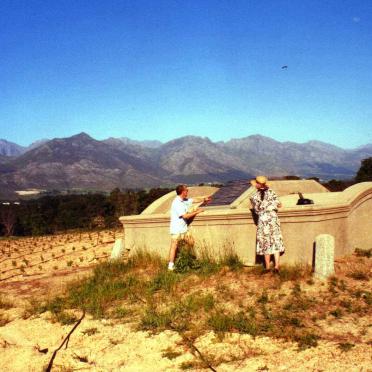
(172, 253)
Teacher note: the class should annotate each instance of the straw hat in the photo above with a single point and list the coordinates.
(261, 180)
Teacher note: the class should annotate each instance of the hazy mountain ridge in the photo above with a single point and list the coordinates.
(83, 162)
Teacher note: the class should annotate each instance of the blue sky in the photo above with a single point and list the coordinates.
(165, 69)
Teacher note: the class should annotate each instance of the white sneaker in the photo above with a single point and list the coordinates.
(171, 266)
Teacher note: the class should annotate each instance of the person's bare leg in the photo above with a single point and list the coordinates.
(267, 261)
(276, 260)
(173, 250)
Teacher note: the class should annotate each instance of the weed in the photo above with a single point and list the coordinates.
(170, 354)
(264, 298)
(5, 304)
(363, 252)
(34, 307)
(4, 319)
(307, 340)
(14, 263)
(337, 313)
(296, 290)
(69, 263)
(358, 275)
(65, 318)
(90, 331)
(188, 365)
(345, 346)
(367, 297)
(346, 304)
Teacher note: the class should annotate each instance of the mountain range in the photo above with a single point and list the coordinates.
(81, 162)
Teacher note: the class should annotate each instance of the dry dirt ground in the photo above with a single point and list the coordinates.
(35, 268)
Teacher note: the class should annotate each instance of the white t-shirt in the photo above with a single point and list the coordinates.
(179, 207)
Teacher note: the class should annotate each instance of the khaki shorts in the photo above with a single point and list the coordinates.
(184, 237)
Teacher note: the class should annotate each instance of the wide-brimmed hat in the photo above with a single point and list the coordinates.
(261, 180)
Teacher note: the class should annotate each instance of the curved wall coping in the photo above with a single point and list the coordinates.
(338, 204)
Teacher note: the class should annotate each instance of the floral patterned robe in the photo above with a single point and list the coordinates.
(269, 235)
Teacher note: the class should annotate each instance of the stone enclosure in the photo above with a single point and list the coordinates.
(347, 216)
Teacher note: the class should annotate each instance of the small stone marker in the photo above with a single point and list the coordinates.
(324, 256)
(118, 249)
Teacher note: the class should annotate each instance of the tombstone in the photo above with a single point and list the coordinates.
(118, 249)
(324, 256)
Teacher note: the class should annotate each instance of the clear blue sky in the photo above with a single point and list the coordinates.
(164, 69)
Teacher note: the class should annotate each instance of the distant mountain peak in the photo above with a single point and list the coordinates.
(82, 136)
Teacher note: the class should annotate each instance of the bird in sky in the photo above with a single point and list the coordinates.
(284, 67)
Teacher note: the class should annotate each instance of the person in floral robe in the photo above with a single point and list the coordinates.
(265, 204)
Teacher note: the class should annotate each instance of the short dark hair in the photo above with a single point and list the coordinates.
(179, 189)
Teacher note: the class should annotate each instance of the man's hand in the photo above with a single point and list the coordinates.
(207, 199)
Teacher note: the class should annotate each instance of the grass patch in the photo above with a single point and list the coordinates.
(164, 280)
(294, 273)
(230, 259)
(221, 323)
(154, 320)
(143, 258)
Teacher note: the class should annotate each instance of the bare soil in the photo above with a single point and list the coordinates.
(37, 268)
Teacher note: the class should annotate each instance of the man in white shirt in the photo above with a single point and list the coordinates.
(180, 215)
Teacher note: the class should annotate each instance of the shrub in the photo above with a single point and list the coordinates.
(186, 259)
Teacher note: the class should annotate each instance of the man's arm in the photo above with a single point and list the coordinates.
(189, 215)
(204, 199)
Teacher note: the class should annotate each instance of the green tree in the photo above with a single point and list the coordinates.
(364, 173)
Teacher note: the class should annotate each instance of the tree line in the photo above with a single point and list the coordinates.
(51, 214)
